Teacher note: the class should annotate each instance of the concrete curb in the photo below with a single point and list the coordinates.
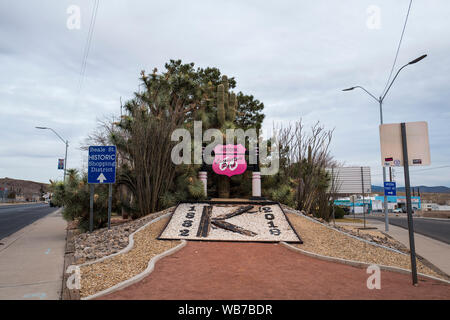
(130, 242)
(357, 263)
(9, 240)
(347, 234)
(140, 276)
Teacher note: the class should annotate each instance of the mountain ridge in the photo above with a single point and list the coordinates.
(425, 189)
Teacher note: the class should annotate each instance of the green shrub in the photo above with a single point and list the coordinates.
(339, 212)
(283, 194)
(74, 197)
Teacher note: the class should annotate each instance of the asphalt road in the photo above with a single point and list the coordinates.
(437, 229)
(15, 217)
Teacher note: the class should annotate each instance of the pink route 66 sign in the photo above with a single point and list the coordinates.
(229, 160)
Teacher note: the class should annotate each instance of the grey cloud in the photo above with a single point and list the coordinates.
(293, 56)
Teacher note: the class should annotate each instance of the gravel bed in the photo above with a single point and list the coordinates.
(262, 222)
(319, 239)
(104, 242)
(376, 236)
(107, 273)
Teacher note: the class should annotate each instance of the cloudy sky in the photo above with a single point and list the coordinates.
(295, 56)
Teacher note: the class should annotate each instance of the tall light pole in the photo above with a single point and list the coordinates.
(380, 102)
(66, 142)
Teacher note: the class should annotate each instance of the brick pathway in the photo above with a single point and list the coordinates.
(230, 270)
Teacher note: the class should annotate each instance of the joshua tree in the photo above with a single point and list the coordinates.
(226, 116)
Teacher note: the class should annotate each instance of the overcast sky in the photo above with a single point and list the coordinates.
(295, 56)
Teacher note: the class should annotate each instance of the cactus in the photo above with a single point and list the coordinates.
(225, 90)
(210, 95)
(231, 111)
(220, 104)
(226, 103)
(226, 112)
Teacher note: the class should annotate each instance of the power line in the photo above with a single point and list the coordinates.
(419, 170)
(398, 48)
(430, 169)
(88, 44)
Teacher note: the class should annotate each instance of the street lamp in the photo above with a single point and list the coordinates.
(380, 102)
(65, 142)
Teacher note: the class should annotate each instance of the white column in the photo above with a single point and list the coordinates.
(256, 184)
(203, 177)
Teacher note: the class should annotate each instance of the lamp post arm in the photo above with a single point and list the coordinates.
(384, 95)
(65, 141)
(368, 93)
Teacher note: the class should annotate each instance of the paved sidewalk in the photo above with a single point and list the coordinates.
(232, 270)
(32, 260)
(437, 252)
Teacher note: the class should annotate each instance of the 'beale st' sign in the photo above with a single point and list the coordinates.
(229, 160)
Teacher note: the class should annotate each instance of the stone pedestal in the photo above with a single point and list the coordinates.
(256, 184)
(203, 177)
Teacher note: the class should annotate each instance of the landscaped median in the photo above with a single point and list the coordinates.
(324, 240)
(134, 257)
(107, 273)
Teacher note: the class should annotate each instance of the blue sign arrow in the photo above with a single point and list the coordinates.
(390, 189)
(102, 164)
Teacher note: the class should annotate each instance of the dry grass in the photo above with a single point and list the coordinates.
(350, 220)
(319, 239)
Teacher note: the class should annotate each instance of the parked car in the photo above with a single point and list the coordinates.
(398, 210)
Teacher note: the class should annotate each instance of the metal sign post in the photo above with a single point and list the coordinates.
(408, 205)
(109, 205)
(332, 197)
(354, 213)
(364, 202)
(91, 208)
(406, 144)
(101, 170)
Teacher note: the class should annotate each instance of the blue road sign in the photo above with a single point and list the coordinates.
(102, 164)
(390, 189)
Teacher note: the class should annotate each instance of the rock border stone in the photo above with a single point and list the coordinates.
(130, 242)
(352, 262)
(69, 259)
(298, 213)
(140, 276)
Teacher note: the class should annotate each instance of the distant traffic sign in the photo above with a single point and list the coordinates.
(60, 164)
(390, 189)
(102, 164)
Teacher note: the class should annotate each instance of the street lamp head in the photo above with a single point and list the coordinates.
(41, 128)
(348, 89)
(418, 59)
